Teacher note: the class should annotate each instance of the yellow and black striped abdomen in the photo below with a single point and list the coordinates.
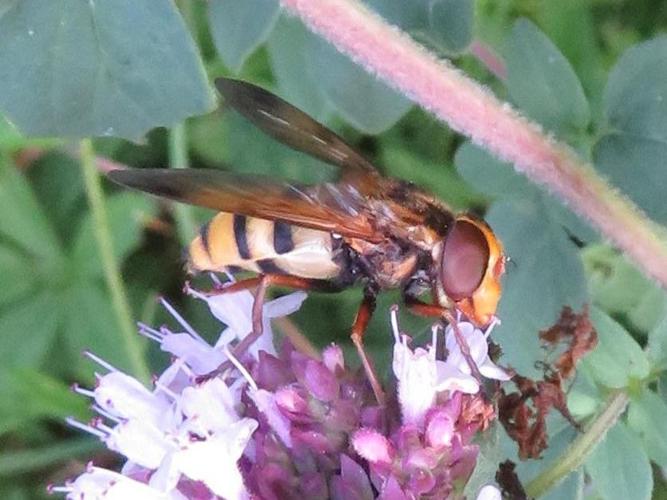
(262, 246)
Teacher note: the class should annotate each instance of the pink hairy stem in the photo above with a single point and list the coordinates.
(474, 111)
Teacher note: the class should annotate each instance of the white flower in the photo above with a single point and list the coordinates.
(416, 375)
(421, 376)
(182, 429)
(213, 461)
(97, 483)
(454, 373)
(235, 311)
(489, 492)
(200, 435)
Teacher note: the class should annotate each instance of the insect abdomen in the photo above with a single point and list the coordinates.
(262, 246)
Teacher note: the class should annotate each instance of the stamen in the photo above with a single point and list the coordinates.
(240, 368)
(50, 489)
(435, 329)
(106, 414)
(150, 333)
(393, 314)
(180, 319)
(84, 392)
(494, 322)
(95, 431)
(100, 361)
(167, 391)
(104, 427)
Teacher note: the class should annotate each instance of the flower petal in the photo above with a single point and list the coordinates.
(450, 378)
(285, 305)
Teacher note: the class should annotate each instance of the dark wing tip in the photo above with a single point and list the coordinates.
(225, 85)
(150, 180)
(231, 88)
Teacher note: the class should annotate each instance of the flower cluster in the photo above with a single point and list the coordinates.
(279, 424)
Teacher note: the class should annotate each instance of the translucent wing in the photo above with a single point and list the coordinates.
(293, 127)
(338, 208)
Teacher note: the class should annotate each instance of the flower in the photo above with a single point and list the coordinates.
(276, 423)
(489, 492)
(194, 434)
(96, 482)
(455, 373)
(421, 376)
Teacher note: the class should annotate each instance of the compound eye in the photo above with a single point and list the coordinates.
(464, 260)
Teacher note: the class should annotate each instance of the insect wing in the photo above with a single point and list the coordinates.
(293, 127)
(329, 207)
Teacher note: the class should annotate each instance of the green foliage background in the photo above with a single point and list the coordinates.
(593, 73)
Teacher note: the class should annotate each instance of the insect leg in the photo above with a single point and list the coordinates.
(285, 280)
(463, 346)
(422, 308)
(364, 314)
(262, 283)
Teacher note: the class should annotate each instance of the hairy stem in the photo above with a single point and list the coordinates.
(178, 158)
(132, 342)
(575, 455)
(472, 110)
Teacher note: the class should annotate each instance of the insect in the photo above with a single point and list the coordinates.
(382, 232)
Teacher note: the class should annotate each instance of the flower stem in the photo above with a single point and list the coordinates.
(131, 341)
(485, 55)
(574, 456)
(473, 110)
(178, 158)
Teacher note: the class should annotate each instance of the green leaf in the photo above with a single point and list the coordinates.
(547, 274)
(90, 324)
(490, 455)
(360, 98)
(489, 175)
(636, 164)
(443, 25)
(127, 214)
(36, 396)
(17, 270)
(23, 221)
(27, 330)
(451, 24)
(542, 82)
(657, 345)
(13, 463)
(11, 139)
(633, 152)
(619, 467)
(57, 183)
(118, 67)
(617, 286)
(636, 93)
(296, 84)
(618, 359)
(560, 20)
(647, 417)
(240, 26)
(409, 16)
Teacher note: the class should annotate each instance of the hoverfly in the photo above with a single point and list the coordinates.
(383, 232)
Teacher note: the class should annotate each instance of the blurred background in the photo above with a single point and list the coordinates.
(59, 296)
